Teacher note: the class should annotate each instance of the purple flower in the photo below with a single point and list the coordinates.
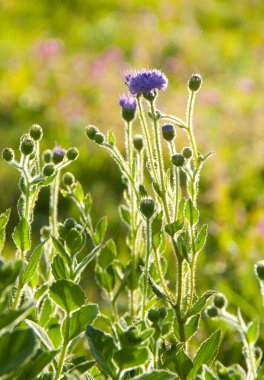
(58, 154)
(146, 81)
(129, 105)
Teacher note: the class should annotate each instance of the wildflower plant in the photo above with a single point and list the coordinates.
(46, 320)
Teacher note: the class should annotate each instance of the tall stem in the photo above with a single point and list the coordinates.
(53, 210)
(63, 349)
(189, 129)
(148, 252)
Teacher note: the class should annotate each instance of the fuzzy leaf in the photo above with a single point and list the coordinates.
(174, 227)
(253, 331)
(131, 357)
(201, 238)
(59, 268)
(191, 212)
(191, 326)
(67, 295)
(156, 375)
(100, 230)
(105, 277)
(111, 138)
(8, 274)
(4, 218)
(107, 254)
(41, 333)
(7, 317)
(200, 304)
(33, 263)
(183, 364)
(125, 214)
(60, 249)
(21, 235)
(87, 259)
(75, 241)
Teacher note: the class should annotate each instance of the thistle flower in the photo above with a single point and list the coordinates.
(129, 105)
(145, 82)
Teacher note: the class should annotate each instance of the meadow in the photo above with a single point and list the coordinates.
(63, 67)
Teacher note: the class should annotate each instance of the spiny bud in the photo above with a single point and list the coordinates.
(212, 312)
(147, 207)
(8, 154)
(259, 269)
(168, 132)
(58, 155)
(36, 132)
(99, 138)
(195, 82)
(72, 153)
(27, 146)
(187, 152)
(138, 142)
(91, 132)
(177, 159)
(220, 301)
(153, 315)
(47, 156)
(48, 170)
(68, 179)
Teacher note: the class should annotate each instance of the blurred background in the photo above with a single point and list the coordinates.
(62, 66)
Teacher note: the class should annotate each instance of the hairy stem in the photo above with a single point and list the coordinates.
(148, 252)
(64, 349)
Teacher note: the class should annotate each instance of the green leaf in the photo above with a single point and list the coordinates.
(15, 348)
(7, 317)
(75, 241)
(33, 263)
(9, 273)
(206, 353)
(21, 235)
(87, 203)
(156, 375)
(103, 348)
(174, 227)
(60, 249)
(183, 364)
(156, 290)
(125, 215)
(79, 319)
(105, 277)
(131, 357)
(201, 238)
(86, 260)
(78, 191)
(208, 374)
(59, 268)
(67, 295)
(41, 333)
(111, 138)
(46, 311)
(36, 365)
(191, 213)
(191, 326)
(107, 254)
(100, 230)
(200, 304)
(253, 331)
(4, 218)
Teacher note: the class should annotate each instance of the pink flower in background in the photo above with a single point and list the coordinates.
(49, 48)
(261, 227)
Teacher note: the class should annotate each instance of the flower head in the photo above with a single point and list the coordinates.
(146, 81)
(129, 105)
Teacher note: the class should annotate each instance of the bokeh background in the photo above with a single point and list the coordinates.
(62, 66)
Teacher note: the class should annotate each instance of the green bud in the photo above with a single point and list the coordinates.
(195, 82)
(259, 269)
(147, 207)
(212, 312)
(8, 154)
(127, 114)
(91, 132)
(69, 223)
(47, 156)
(220, 301)
(48, 170)
(72, 153)
(168, 132)
(45, 232)
(150, 96)
(27, 146)
(153, 315)
(177, 159)
(58, 155)
(99, 138)
(68, 179)
(187, 152)
(36, 132)
(138, 142)
(162, 312)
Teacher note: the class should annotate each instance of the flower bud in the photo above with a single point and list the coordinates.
(8, 154)
(195, 82)
(220, 301)
(153, 315)
(27, 146)
(69, 223)
(129, 106)
(150, 96)
(259, 269)
(212, 312)
(47, 156)
(147, 207)
(68, 179)
(99, 138)
(58, 155)
(72, 153)
(36, 132)
(48, 170)
(177, 159)
(187, 152)
(45, 232)
(91, 132)
(162, 312)
(138, 142)
(168, 132)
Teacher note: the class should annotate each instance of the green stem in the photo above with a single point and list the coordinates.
(163, 284)
(53, 210)
(189, 129)
(64, 349)
(148, 246)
